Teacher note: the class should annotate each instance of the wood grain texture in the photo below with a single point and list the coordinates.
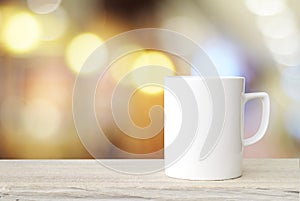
(263, 179)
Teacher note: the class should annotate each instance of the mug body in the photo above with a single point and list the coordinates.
(224, 159)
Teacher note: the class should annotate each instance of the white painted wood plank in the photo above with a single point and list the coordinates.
(263, 179)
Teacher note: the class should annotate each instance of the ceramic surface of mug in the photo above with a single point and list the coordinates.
(223, 145)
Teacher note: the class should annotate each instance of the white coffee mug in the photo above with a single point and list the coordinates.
(204, 126)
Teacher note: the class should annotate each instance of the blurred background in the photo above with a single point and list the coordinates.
(43, 45)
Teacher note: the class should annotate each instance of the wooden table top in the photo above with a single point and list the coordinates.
(263, 179)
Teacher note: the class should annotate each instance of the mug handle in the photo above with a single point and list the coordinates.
(264, 97)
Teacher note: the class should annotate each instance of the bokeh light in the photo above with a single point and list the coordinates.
(79, 49)
(119, 68)
(41, 119)
(278, 26)
(266, 7)
(288, 45)
(152, 58)
(21, 33)
(44, 6)
(45, 43)
(53, 25)
(288, 60)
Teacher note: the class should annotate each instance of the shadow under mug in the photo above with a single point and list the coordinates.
(189, 110)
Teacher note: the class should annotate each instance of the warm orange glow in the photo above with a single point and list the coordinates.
(80, 48)
(152, 58)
